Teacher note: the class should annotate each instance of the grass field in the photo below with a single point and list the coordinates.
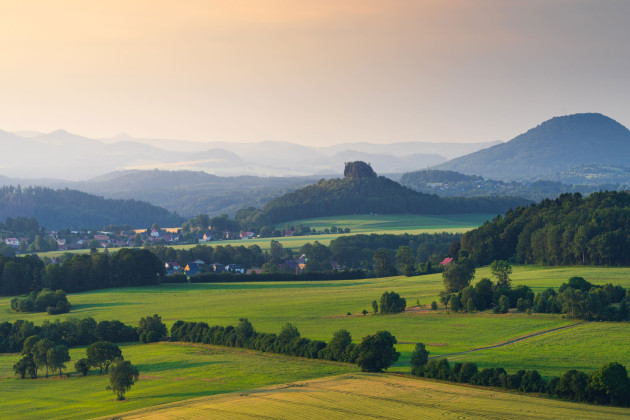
(394, 224)
(168, 372)
(320, 308)
(376, 396)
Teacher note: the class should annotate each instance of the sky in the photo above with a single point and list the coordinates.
(310, 72)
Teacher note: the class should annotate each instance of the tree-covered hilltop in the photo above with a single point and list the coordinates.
(334, 197)
(62, 208)
(568, 230)
(554, 146)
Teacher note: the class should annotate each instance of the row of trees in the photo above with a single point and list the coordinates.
(375, 352)
(565, 231)
(43, 301)
(608, 385)
(576, 299)
(80, 272)
(69, 332)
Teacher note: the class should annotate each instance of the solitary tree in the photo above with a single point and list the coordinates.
(375, 306)
(377, 352)
(501, 270)
(122, 376)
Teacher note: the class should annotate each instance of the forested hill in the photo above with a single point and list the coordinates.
(554, 146)
(375, 195)
(65, 208)
(568, 230)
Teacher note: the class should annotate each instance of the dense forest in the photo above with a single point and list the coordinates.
(568, 230)
(375, 195)
(62, 208)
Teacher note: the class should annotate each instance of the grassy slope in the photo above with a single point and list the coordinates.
(319, 308)
(168, 372)
(376, 396)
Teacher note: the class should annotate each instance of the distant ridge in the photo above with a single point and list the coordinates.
(363, 192)
(552, 147)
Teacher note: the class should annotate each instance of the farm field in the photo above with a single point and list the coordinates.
(361, 395)
(320, 308)
(393, 224)
(168, 372)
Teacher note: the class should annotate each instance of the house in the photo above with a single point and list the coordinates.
(61, 241)
(289, 232)
(102, 238)
(173, 266)
(155, 233)
(446, 261)
(207, 237)
(217, 267)
(12, 241)
(192, 269)
(302, 262)
(247, 235)
(199, 262)
(236, 268)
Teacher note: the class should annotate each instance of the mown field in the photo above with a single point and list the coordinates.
(393, 224)
(168, 372)
(376, 396)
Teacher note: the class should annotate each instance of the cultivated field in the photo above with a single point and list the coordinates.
(362, 395)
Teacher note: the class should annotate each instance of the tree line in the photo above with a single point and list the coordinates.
(375, 352)
(70, 332)
(576, 298)
(565, 231)
(80, 272)
(608, 385)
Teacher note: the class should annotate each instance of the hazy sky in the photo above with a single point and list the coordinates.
(311, 72)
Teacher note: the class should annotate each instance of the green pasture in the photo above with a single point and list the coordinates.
(584, 347)
(320, 308)
(394, 223)
(168, 372)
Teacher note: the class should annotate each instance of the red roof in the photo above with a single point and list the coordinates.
(446, 261)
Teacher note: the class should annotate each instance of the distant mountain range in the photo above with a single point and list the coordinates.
(63, 155)
(553, 148)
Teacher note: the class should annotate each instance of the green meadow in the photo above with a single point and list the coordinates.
(319, 309)
(168, 372)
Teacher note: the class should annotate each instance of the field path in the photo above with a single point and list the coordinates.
(503, 343)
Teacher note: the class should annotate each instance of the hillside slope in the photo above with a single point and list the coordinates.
(374, 194)
(554, 146)
(65, 208)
